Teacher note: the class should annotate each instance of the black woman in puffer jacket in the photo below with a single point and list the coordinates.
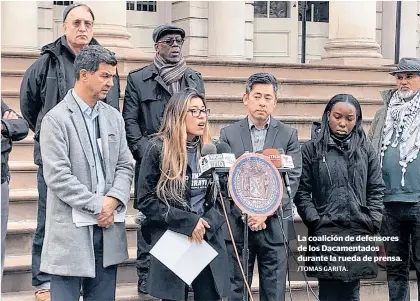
(340, 201)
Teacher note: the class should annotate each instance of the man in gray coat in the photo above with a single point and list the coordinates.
(88, 170)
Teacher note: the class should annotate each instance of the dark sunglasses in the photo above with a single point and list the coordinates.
(170, 42)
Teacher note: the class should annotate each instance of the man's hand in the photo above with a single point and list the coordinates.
(199, 231)
(257, 223)
(8, 115)
(106, 218)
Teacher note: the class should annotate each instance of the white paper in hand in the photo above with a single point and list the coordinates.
(186, 259)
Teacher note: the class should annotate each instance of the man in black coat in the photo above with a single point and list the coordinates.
(147, 92)
(13, 128)
(45, 84)
(259, 131)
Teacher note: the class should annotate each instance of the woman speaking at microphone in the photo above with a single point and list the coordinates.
(172, 197)
(340, 201)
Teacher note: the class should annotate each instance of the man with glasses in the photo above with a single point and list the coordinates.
(147, 92)
(44, 85)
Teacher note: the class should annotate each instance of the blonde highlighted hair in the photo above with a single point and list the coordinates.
(173, 133)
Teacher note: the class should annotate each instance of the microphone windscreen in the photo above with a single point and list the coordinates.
(274, 156)
(208, 149)
(223, 148)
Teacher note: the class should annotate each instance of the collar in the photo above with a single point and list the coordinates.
(340, 142)
(266, 125)
(66, 46)
(84, 106)
(150, 71)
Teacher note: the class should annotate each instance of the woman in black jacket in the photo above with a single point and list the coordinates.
(340, 201)
(172, 197)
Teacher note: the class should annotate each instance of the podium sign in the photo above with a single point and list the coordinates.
(255, 185)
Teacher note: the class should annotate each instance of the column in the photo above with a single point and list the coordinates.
(110, 27)
(19, 26)
(352, 34)
(226, 30)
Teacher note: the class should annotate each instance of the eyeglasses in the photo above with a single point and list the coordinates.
(197, 113)
(77, 23)
(170, 42)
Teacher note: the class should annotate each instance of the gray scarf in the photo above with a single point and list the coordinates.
(403, 119)
(171, 73)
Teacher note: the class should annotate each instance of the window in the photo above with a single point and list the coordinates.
(316, 11)
(149, 6)
(271, 9)
(63, 3)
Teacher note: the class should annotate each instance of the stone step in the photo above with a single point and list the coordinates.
(22, 174)
(17, 272)
(208, 67)
(219, 104)
(369, 291)
(20, 235)
(301, 87)
(287, 106)
(302, 124)
(23, 204)
(128, 292)
(235, 86)
(20, 229)
(23, 150)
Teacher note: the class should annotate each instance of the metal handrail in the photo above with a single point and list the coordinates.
(303, 49)
(397, 33)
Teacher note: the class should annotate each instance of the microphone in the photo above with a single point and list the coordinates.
(274, 156)
(287, 160)
(282, 162)
(223, 148)
(212, 161)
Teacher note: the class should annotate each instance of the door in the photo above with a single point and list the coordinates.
(276, 30)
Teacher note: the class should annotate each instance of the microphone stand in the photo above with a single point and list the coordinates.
(245, 256)
(285, 177)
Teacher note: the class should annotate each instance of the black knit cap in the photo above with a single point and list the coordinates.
(74, 5)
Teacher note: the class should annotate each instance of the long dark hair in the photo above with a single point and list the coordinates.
(173, 133)
(358, 137)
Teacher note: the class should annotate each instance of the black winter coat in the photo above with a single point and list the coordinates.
(338, 198)
(162, 282)
(146, 96)
(44, 85)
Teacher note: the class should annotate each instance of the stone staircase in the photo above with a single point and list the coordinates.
(304, 91)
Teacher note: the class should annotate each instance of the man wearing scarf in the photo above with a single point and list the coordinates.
(395, 133)
(146, 95)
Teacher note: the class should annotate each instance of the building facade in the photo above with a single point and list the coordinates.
(343, 32)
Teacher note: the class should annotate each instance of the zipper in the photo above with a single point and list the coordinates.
(328, 170)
